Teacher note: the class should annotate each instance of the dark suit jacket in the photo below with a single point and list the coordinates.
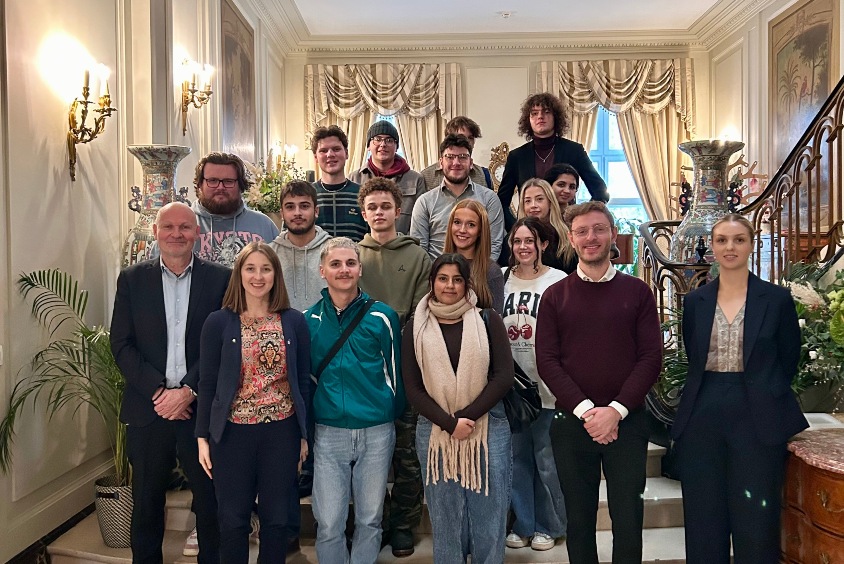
(139, 330)
(521, 166)
(219, 376)
(771, 351)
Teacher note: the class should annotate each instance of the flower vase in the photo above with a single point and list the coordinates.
(692, 242)
(158, 188)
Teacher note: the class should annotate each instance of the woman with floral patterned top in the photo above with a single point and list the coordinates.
(252, 404)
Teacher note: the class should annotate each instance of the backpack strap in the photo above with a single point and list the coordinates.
(338, 344)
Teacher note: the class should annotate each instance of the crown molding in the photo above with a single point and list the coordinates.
(289, 30)
(724, 18)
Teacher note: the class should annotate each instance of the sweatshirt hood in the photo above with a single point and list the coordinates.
(320, 237)
(398, 243)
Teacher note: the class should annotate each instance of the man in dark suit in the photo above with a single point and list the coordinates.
(160, 307)
(542, 122)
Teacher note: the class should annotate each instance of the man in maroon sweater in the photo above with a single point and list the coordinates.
(599, 350)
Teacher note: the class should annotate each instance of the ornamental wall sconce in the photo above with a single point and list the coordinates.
(80, 129)
(192, 94)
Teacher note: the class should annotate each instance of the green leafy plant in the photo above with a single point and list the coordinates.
(69, 372)
(268, 179)
(820, 311)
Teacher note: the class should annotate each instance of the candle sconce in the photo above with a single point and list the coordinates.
(80, 130)
(192, 94)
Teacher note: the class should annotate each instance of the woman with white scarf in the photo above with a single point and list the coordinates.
(456, 369)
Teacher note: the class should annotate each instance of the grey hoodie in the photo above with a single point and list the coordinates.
(222, 236)
(300, 266)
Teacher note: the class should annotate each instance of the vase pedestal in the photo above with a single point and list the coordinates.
(159, 163)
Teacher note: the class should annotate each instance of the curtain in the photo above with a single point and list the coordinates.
(655, 104)
(422, 97)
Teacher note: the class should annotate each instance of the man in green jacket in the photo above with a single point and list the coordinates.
(396, 271)
(359, 395)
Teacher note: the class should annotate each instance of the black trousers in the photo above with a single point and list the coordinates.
(732, 483)
(579, 461)
(152, 452)
(255, 460)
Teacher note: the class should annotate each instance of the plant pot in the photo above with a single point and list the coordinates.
(114, 511)
(827, 397)
(276, 217)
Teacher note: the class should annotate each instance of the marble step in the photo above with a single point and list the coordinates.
(663, 503)
(83, 545)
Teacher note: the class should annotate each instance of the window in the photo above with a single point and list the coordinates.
(608, 157)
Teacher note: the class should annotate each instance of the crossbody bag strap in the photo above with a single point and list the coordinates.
(338, 344)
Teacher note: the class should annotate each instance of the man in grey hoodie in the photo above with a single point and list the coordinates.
(226, 225)
(299, 245)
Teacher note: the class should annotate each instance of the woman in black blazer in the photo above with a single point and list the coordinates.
(737, 409)
(252, 404)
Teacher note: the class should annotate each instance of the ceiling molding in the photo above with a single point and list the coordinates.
(724, 18)
(289, 30)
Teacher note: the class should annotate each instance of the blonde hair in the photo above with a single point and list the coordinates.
(555, 218)
(483, 248)
(736, 218)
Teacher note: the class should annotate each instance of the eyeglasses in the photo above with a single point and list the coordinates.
(227, 182)
(384, 140)
(462, 158)
(600, 229)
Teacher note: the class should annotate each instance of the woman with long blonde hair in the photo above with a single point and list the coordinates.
(539, 200)
(469, 235)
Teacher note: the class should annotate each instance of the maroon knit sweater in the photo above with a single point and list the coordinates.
(599, 341)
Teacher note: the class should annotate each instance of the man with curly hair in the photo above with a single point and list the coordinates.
(542, 122)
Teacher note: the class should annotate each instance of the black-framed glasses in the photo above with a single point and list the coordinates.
(462, 158)
(384, 140)
(215, 182)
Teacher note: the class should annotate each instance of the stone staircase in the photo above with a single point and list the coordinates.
(663, 535)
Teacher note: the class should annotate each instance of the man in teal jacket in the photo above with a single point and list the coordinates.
(359, 394)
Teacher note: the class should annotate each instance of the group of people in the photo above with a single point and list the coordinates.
(378, 333)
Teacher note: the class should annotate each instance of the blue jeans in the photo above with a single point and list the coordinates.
(537, 498)
(359, 458)
(465, 522)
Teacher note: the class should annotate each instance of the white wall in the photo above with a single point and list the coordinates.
(53, 222)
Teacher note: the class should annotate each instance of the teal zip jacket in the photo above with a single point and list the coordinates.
(361, 387)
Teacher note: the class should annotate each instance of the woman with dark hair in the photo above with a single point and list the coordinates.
(539, 201)
(537, 501)
(737, 411)
(252, 404)
(469, 235)
(565, 181)
(457, 366)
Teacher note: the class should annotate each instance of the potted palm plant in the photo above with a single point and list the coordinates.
(71, 372)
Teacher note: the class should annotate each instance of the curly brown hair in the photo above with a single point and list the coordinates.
(379, 184)
(326, 132)
(543, 100)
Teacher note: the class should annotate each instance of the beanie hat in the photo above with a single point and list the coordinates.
(382, 128)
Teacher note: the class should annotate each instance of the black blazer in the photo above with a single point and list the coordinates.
(139, 330)
(771, 352)
(521, 166)
(222, 356)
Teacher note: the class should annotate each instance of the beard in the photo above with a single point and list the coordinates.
(456, 179)
(599, 260)
(218, 207)
(301, 230)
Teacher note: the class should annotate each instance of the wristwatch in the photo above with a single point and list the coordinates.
(189, 389)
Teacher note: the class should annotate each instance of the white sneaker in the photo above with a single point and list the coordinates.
(515, 541)
(541, 541)
(191, 544)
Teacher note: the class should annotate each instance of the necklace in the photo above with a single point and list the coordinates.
(327, 189)
(546, 156)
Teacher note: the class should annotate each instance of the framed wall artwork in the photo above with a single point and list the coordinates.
(237, 83)
(803, 69)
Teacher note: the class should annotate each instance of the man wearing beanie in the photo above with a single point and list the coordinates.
(382, 141)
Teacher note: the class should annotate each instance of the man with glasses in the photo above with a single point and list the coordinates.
(382, 140)
(226, 225)
(430, 216)
(601, 421)
(480, 175)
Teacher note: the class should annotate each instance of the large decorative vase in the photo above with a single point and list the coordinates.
(692, 242)
(114, 511)
(159, 164)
